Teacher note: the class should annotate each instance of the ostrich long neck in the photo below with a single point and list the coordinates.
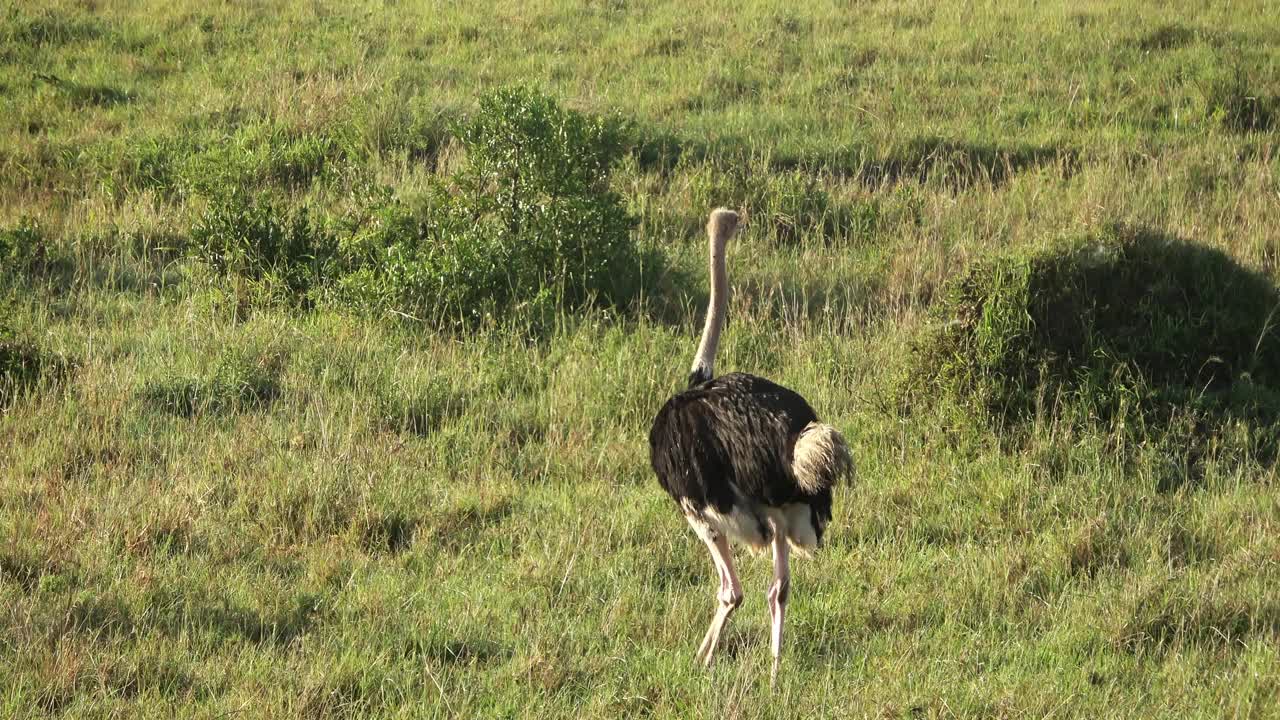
(704, 362)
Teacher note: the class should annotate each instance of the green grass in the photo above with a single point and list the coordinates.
(228, 507)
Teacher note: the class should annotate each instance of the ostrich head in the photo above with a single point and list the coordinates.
(720, 227)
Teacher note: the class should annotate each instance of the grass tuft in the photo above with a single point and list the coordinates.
(1235, 101)
(25, 365)
(240, 380)
(421, 412)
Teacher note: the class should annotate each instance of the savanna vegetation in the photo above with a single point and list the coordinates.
(330, 336)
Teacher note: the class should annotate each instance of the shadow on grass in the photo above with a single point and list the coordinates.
(51, 27)
(1169, 36)
(240, 381)
(954, 164)
(1163, 623)
(959, 165)
(472, 651)
(279, 626)
(421, 412)
(125, 678)
(21, 571)
(87, 95)
(25, 366)
(1233, 99)
(33, 262)
(665, 576)
(461, 527)
(392, 533)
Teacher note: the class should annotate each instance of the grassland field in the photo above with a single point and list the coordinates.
(388, 518)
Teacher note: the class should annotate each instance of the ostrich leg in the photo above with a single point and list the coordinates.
(729, 598)
(777, 596)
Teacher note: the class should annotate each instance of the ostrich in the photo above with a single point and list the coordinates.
(745, 459)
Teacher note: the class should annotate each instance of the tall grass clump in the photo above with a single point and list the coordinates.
(240, 379)
(1233, 99)
(1127, 327)
(419, 410)
(786, 206)
(24, 364)
(282, 251)
(25, 250)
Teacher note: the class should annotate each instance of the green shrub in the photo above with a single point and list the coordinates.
(528, 222)
(530, 215)
(1127, 326)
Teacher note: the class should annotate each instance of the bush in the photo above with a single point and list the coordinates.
(1127, 324)
(529, 219)
(528, 223)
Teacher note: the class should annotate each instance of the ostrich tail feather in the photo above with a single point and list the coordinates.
(821, 458)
